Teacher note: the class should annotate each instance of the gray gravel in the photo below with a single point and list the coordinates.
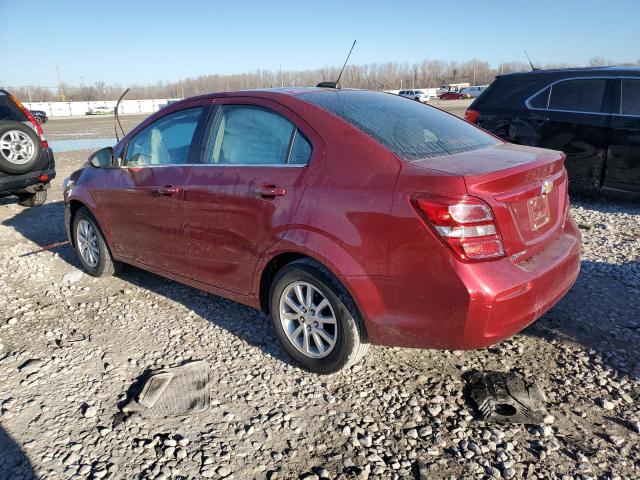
(69, 351)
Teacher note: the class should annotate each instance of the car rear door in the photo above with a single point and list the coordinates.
(143, 199)
(576, 114)
(257, 161)
(623, 156)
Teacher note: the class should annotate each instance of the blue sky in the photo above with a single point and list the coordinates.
(144, 41)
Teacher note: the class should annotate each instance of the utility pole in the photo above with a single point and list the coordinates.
(29, 91)
(60, 90)
(474, 71)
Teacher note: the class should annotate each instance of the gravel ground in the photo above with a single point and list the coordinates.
(70, 350)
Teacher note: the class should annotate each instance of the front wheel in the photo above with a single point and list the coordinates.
(315, 319)
(91, 246)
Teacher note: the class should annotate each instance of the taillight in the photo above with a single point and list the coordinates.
(34, 123)
(465, 224)
(472, 116)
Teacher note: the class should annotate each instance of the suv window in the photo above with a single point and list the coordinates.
(411, 130)
(9, 110)
(578, 95)
(252, 135)
(540, 100)
(166, 141)
(630, 97)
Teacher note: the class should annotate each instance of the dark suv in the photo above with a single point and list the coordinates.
(26, 161)
(591, 114)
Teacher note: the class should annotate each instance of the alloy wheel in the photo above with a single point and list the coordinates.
(308, 319)
(17, 147)
(88, 243)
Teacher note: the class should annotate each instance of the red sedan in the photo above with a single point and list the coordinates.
(453, 96)
(353, 217)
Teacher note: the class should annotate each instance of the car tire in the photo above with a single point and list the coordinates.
(13, 135)
(347, 332)
(35, 199)
(91, 247)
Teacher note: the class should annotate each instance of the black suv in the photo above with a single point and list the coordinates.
(591, 114)
(26, 161)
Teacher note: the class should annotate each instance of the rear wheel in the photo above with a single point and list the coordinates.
(33, 199)
(315, 319)
(91, 246)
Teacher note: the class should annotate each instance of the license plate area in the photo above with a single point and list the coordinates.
(538, 208)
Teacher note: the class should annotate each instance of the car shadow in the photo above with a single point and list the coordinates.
(599, 313)
(601, 287)
(250, 325)
(45, 227)
(13, 461)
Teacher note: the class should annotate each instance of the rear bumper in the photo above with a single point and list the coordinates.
(31, 181)
(452, 305)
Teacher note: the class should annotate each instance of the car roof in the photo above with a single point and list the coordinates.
(269, 93)
(572, 72)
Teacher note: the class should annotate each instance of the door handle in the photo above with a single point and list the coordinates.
(267, 191)
(168, 190)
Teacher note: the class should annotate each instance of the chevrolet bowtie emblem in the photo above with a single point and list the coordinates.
(547, 186)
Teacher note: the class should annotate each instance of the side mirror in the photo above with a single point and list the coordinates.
(103, 158)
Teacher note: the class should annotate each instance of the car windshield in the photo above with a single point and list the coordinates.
(409, 129)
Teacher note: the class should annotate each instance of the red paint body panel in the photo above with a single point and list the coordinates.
(351, 210)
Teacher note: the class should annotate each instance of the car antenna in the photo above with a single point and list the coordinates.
(533, 69)
(336, 84)
(115, 127)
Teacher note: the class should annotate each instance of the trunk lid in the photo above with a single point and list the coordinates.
(526, 188)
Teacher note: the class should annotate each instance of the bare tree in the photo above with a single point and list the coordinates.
(373, 76)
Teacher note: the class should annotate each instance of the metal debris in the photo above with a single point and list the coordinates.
(507, 398)
(175, 391)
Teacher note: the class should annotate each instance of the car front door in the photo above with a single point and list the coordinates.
(623, 158)
(143, 199)
(258, 158)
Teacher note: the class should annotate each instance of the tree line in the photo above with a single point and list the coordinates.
(372, 76)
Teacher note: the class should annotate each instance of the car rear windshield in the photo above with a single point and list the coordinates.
(9, 110)
(408, 128)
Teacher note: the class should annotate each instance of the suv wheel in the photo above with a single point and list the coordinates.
(91, 246)
(315, 319)
(33, 199)
(19, 148)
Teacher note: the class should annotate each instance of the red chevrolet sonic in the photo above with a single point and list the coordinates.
(352, 217)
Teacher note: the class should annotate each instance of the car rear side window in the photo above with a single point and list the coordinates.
(581, 95)
(630, 97)
(253, 135)
(409, 129)
(540, 100)
(300, 150)
(167, 141)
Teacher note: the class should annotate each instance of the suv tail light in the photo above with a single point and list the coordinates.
(34, 123)
(464, 224)
(472, 116)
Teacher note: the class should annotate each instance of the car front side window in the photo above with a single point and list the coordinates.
(167, 141)
(250, 135)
